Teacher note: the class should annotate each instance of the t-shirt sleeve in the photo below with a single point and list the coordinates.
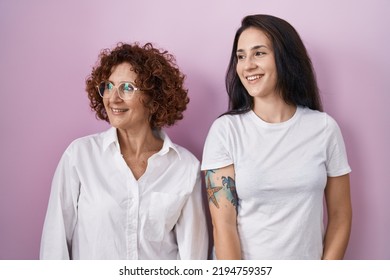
(216, 152)
(336, 154)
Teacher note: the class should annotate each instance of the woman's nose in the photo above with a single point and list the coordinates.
(249, 64)
(115, 96)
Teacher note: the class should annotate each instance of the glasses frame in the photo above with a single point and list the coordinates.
(117, 89)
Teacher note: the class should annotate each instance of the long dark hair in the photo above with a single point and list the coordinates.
(296, 79)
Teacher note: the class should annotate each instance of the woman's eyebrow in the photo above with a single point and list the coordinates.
(253, 48)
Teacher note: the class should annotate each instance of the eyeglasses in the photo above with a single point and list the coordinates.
(125, 90)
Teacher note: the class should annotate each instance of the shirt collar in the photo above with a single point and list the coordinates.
(168, 144)
(110, 137)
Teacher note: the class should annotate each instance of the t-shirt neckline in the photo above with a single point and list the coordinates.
(279, 125)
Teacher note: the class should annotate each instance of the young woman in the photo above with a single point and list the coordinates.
(271, 158)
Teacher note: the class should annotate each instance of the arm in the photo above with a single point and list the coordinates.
(61, 213)
(338, 202)
(223, 200)
(191, 228)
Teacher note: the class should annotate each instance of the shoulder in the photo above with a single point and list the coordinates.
(186, 164)
(318, 118)
(90, 142)
(314, 115)
(84, 141)
(177, 154)
(228, 118)
(227, 122)
(321, 122)
(185, 155)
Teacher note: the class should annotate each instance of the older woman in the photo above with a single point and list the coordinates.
(128, 192)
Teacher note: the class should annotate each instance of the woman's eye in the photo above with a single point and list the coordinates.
(240, 57)
(259, 53)
(127, 88)
(109, 86)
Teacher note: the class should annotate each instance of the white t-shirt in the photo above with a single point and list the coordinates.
(281, 171)
(98, 210)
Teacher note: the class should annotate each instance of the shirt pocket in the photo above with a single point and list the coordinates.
(164, 211)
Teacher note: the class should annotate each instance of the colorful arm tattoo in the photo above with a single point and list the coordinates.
(230, 185)
(228, 189)
(211, 188)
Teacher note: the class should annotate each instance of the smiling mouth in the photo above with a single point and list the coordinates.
(114, 110)
(254, 77)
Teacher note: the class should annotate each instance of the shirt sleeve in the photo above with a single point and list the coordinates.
(336, 154)
(191, 227)
(60, 221)
(216, 152)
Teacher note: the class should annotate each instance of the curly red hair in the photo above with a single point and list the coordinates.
(157, 75)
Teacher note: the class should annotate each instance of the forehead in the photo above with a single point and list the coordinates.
(252, 37)
(122, 72)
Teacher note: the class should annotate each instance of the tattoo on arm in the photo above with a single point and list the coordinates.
(211, 190)
(230, 185)
(228, 189)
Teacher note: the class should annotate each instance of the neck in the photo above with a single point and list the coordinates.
(136, 143)
(274, 111)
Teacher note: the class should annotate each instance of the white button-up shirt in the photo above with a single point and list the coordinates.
(98, 210)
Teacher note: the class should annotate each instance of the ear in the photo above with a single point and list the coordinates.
(153, 106)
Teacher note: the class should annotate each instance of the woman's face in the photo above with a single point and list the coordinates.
(256, 66)
(126, 114)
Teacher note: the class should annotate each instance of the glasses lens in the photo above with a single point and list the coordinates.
(105, 89)
(126, 90)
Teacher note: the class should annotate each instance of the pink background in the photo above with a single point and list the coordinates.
(48, 49)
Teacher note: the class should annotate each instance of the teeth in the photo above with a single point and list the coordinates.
(118, 110)
(252, 78)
